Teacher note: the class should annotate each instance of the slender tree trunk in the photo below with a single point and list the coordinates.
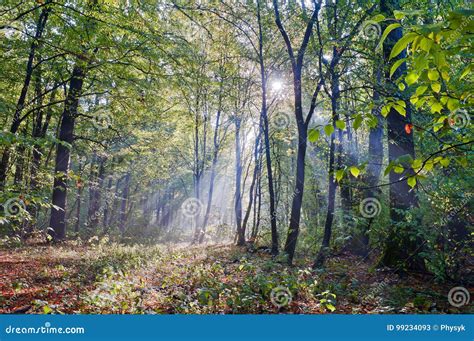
(109, 201)
(266, 138)
(238, 180)
(213, 173)
(95, 198)
(77, 225)
(124, 201)
(252, 186)
(296, 60)
(258, 198)
(335, 94)
(20, 164)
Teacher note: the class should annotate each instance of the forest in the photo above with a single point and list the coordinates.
(236, 156)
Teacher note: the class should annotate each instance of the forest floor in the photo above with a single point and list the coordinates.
(103, 277)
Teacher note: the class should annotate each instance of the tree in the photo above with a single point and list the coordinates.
(399, 246)
(301, 122)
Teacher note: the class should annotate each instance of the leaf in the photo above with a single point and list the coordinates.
(436, 87)
(445, 75)
(401, 110)
(436, 107)
(388, 169)
(387, 31)
(339, 174)
(399, 14)
(428, 166)
(416, 165)
(412, 77)
(440, 59)
(426, 44)
(313, 135)
(330, 307)
(357, 122)
(421, 90)
(378, 18)
(47, 309)
(396, 65)
(341, 124)
(401, 86)
(354, 171)
(385, 110)
(444, 162)
(329, 129)
(453, 104)
(411, 181)
(433, 75)
(398, 169)
(402, 44)
(465, 72)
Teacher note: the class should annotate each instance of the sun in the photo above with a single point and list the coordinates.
(276, 85)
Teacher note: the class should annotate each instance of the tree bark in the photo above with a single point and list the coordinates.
(266, 138)
(238, 180)
(123, 205)
(400, 247)
(360, 239)
(301, 122)
(332, 185)
(66, 135)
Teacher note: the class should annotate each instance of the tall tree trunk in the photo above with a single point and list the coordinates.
(266, 138)
(213, 171)
(66, 135)
(301, 122)
(258, 198)
(108, 203)
(80, 189)
(400, 246)
(20, 164)
(238, 180)
(360, 239)
(123, 205)
(332, 185)
(252, 186)
(95, 195)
